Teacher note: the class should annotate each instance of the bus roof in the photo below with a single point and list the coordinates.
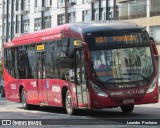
(88, 27)
(79, 28)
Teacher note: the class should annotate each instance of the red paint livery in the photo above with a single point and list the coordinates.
(60, 67)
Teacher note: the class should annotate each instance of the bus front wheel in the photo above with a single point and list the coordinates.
(127, 109)
(69, 103)
(24, 100)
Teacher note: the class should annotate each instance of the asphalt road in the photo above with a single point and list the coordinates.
(57, 117)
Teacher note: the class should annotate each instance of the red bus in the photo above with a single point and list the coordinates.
(82, 66)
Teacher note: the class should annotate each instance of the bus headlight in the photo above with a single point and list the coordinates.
(153, 85)
(98, 90)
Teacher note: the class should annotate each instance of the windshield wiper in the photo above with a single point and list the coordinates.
(137, 74)
(115, 79)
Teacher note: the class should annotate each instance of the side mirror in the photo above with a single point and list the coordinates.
(153, 46)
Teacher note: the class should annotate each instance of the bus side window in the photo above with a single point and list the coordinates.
(13, 62)
(7, 59)
(66, 61)
(31, 62)
(10, 61)
(50, 63)
(21, 62)
(81, 67)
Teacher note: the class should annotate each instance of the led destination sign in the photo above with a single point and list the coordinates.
(126, 38)
(118, 39)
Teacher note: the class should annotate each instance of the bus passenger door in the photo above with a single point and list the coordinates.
(80, 78)
(42, 91)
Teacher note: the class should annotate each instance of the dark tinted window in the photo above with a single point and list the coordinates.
(9, 61)
(21, 62)
(59, 58)
(31, 61)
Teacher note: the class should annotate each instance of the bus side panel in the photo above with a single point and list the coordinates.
(30, 86)
(54, 87)
(10, 87)
(73, 94)
(12, 90)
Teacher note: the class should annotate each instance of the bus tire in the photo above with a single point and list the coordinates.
(25, 105)
(69, 104)
(2, 92)
(127, 109)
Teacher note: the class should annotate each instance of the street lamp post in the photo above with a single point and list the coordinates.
(7, 22)
(66, 11)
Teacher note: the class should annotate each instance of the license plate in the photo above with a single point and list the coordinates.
(128, 101)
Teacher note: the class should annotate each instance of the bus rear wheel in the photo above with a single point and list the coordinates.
(69, 103)
(127, 109)
(25, 105)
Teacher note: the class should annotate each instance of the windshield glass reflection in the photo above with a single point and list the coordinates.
(122, 65)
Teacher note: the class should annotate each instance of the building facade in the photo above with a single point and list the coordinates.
(145, 13)
(26, 16)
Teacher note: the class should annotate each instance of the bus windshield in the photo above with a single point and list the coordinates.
(122, 65)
